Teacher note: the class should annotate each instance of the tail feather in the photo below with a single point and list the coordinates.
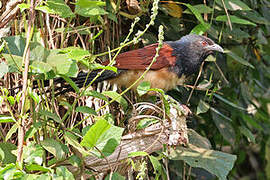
(80, 81)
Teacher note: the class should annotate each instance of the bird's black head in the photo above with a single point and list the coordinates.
(191, 50)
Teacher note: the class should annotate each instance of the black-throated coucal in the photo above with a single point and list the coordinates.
(176, 61)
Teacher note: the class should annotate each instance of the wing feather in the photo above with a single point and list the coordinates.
(140, 59)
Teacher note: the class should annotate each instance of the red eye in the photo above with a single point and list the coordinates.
(204, 43)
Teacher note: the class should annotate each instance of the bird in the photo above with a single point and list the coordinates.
(176, 61)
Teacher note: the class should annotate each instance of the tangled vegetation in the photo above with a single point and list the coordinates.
(76, 135)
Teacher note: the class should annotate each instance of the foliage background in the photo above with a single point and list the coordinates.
(230, 103)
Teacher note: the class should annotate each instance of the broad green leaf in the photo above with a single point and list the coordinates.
(40, 67)
(104, 136)
(115, 96)
(138, 153)
(75, 53)
(56, 7)
(8, 172)
(95, 94)
(63, 64)
(34, 96)
(23, 6)
(216, 162)
(14, 62)
(63, 172)
(90, 11)
(239, 59)
(224, 126)
(143, 88)
(94, 133)
(6, 119)
(71, 83)
(234, 19)
(53, 147)
(86, 109)
(203, 107)
(3, 69)
(233, 5)
(50, 115)
(6, 156)
(197, 140)
(33, 153)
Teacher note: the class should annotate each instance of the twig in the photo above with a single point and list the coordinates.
(201, 68)
(227, 14)
(26, 60)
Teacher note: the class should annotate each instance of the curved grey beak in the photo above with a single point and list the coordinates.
(215, 47)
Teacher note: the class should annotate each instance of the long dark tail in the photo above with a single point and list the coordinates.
(80, 81)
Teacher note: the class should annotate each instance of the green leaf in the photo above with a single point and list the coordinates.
(200, 29)
(234, 19)
(75, 161)
(36, 167)
(216, 162)
(63, 64)
(201, 8)
(71, 83)
(86, 109)
(33, 153)
(70, 139)
(156, 165)
(95, 94)
(96, 66)
(239, 59)
(76, 53)
(6, 119)
(11, 100)
(233, 5)
(3, 69)
(203, 107)
(90, 3)
(198, 16)
(56, 7)
(23, 6)
(143, 88)
(64, 173)
(104, 136)
(50, 115)
(11, 131)
(40, 67)
(224, 126)
(14, 62)
(228, 102)
(245, 131)
(197, 140)
(6, 155)
(138, 153)
(90, 11)
(53, 147)
(115, 96)
(94, 133)
(146, 123)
